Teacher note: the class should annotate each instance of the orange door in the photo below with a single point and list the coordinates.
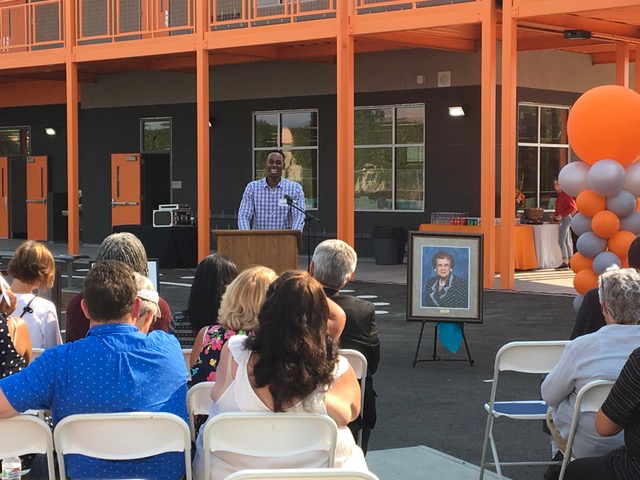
(125, 189)
(37, 188)
(4, 197)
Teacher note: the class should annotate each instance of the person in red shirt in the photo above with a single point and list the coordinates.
(565, 208)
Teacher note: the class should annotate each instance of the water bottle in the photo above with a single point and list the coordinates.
(11, 468)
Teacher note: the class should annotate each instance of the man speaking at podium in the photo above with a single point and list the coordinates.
(271, 201)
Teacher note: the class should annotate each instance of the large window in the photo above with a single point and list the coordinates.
(296, 133)
(15, 141)
(543, 149)
(389, 158)
(156, 135)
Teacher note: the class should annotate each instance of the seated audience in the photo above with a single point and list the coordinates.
(291, 364)
(333, 264)
(33, 270)
(149, 298)
(14, 335)
(128, 249)
(213, 275)
(115, 368)
(598, 355)
(239, 309)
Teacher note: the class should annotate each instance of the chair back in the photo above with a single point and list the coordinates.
(25, 434)
(198, 403)
(122, 436)
(302, 474)
(272, 435)
(530, 357)
(359, 364)
(35, 353)
(186, 355)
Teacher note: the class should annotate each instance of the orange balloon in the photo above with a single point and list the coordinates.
(605, 224)
(589, 203)
(604, 123)
(619, 243)
(584, 281)
(579, 262)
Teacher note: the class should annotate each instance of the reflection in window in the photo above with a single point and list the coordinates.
(15, 141)
(389, 158)
(156, 135)
(296, 134)
(543, 149)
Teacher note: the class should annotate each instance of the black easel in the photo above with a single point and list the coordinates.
(307, 222)
(435, 357)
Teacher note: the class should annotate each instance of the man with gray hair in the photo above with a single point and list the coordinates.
(596, 356)
(333, 264)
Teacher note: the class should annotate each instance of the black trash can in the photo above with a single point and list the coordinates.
(388, 245)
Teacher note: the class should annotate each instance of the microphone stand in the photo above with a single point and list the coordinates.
(307, 222)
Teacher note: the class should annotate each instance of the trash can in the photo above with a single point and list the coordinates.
(388, 245)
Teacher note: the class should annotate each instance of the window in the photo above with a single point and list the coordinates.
(15, 141)
(296, 134)
(543, 149)
(389, 158)
(156, 135)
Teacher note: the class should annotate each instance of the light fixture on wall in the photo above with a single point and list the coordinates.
(576, 34)
(456, 111)
(50, 131)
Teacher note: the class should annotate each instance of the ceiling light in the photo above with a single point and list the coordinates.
(50, 131)
(456, 111)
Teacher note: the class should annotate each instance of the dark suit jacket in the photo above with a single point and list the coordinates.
(590, 317)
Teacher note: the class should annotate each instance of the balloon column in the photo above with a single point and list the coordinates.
(603, 130)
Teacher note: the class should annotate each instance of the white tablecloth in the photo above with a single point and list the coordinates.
(545, 238)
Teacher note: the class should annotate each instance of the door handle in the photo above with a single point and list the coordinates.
(41, 200)
(115, 204)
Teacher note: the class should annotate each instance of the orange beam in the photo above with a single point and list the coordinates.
(508, 148)
(609, 58)
(345, 123)
(597, 26)
(488, 139)
(637, 80)
(545, 42)
(203, 182)
(622, 64)
(40, 58)
(528, 8)
(136, 48)
(73, 183)
(404, 39)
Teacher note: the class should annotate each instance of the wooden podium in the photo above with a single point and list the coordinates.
(277, 249)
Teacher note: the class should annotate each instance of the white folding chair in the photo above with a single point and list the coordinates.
(198, 403)
(523, 357)
(273, 435)
(122, 436)
(186, 355)
(302, 474)
(589, 399)
(359, 364)
(25, 434)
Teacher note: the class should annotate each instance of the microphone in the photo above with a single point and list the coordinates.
(289, 199)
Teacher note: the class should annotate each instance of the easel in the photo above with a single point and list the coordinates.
(435, 357)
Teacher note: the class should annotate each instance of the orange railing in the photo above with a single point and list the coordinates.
(31, 26)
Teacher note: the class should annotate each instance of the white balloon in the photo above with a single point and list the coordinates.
(580, 224)
(573, 178)
(604, 260)
(632, 178)
(577, 301)
(590, 245)
(622, 204)
(631, 223)
(606, 177)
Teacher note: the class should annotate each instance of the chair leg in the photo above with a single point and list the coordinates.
(487, 435)
(494, 450)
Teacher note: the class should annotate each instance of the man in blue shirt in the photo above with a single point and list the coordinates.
(114, 369)
(265, 200)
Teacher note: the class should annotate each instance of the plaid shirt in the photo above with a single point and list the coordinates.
(268, 207)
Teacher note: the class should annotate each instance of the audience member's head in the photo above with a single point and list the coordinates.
(295, 353)
(213, 275)
(333, 263)
(619, 291)
(127, 248)
(149, 299)
(32, 264)
(244, 297)
(634, 253)
(109, 292)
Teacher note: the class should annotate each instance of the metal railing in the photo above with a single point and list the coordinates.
(31, 26)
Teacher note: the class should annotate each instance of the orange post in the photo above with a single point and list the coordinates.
(73, 184)
(622, 64)
(202, 128)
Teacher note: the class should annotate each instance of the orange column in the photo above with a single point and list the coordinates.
(622, 64)
(488, 139)
(637, 70)
(345, 120)
(202, 132)
(508, 147)
(72, 129)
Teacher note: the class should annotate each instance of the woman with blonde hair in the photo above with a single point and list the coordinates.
(33, 269)
(238, 314)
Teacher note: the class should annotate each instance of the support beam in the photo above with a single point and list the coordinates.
(203, 182)
(622, 64)
(637, 79)
(508, 147)
(72, 97)
(488, 140)
(527, 8)
(345, 121)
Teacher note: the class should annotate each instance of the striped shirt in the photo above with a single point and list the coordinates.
(268, 208)
(623, 408)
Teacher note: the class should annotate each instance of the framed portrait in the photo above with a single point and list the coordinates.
(444, 277)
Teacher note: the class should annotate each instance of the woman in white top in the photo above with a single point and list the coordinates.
(290, 365)
(32, 268)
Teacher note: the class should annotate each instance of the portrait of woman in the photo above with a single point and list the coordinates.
(445, 289)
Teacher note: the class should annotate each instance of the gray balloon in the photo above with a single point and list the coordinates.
(577, 301)
(604, 260)
(590, 245)
(573, 178)
(580, 224)
(631, 223)
(632, 178)
(606, 177)
(622, 204)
